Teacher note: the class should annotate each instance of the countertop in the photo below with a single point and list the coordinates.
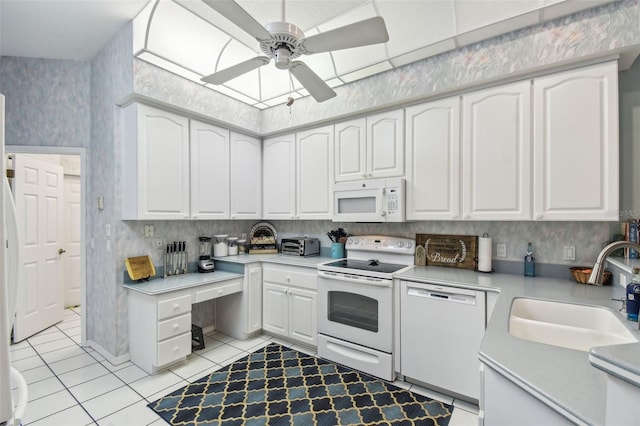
(309, 262)
(563, 379)
(179, 282)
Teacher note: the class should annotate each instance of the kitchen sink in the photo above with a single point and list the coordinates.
(567, 325)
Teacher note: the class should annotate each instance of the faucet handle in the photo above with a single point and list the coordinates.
(623, 306)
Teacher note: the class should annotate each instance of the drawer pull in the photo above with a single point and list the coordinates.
(220, 291)
(176, 306)
(176, 327)
(176, 349)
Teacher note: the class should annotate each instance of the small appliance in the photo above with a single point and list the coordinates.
(205, 263)
(371, 200)
(300, 246)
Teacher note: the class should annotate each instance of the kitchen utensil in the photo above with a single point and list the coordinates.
(205, 264)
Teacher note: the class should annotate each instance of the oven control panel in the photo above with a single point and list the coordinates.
(381, 243)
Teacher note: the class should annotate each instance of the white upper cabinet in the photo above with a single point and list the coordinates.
(314, 154)
(371, 147)
(433, 160)
(155, 170)
(576, 144)
(351, 150)
(209, 171)
(497, 153)
(176, 168)
(245, 177)
(279, 177)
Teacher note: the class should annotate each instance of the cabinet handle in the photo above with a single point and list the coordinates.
(538, 215)
(176, 327)
(220, 291)
(176, 307)
(176, 349)
(455, 216)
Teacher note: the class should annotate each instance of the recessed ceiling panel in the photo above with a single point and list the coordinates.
(247, 84)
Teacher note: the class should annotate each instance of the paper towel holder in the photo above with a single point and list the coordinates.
(477, 259)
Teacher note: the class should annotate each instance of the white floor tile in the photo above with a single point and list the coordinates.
(70, 364)
(118, 367)
(166, 391)
(461, 417)
(25, 352)
(248, 344)
(136, 414)
(220, 337)
(54, 345)
(431, 394)
(77, 340)
(221, 354)
(156, 383)
(51, 336)
(28, 363)
(73, 331)
(74, 416)
(111, 402)
(51, 404)
(159, 422)
(94, 354)
(96, 387)
(19, 345)
(209, 344)
(61, 354)
(131, 373)
(206, 372)
(194, 365)
(66, 325)
(83, 374)
(37, 374)
(44, 387)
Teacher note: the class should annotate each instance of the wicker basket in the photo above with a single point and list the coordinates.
(581, 275)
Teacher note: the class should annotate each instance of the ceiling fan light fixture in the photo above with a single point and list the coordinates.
(282, 58)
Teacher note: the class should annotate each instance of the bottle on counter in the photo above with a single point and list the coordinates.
(633, 296)
(529, 263)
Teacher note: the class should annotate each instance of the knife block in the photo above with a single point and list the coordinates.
(169, 263)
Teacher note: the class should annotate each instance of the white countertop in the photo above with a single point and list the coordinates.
(180, 282)
(310, 262)
(564, 379)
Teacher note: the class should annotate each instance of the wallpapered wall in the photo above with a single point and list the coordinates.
(57, 114)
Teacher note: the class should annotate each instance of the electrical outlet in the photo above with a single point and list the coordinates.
(158, 243)
(569, 253)
(148, 231)
(501, 250)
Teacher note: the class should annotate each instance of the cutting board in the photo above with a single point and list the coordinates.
(140, 267)
(454, 251)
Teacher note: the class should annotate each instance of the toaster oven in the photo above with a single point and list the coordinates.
(300, 246)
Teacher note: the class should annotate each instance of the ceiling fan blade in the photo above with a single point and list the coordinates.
(311, 81)
(236, 70)
(362, 33)
(233, 12)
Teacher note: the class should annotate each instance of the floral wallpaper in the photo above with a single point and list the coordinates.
(66, 103)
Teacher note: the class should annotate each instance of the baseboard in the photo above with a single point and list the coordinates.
(209, 329)
(115, 360)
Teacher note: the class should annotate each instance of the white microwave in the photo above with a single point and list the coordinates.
(375, 200)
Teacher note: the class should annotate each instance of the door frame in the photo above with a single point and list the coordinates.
(59, 150)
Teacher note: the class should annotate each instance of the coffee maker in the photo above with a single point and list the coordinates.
(205, 263)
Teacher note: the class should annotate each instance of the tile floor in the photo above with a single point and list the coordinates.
(72, 385)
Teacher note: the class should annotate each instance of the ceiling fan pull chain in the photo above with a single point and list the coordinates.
(290, 99)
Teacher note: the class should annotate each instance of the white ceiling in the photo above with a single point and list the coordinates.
(194, 47)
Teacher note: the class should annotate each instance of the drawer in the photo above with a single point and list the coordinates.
(174, 306)
(174, 349)
(174, 326)
(299, 277)
(218, 290)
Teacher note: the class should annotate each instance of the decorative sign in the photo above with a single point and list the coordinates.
(454, 251)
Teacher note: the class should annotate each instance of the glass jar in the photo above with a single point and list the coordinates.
(242, 246)
(220, 247)
(232, 243)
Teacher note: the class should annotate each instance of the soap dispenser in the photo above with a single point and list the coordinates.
(529, 263)
(633, 296)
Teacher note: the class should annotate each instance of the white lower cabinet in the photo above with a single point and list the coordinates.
(160, 324)
(504, 403)
(241, 314)
(289, 297)
(159, 329)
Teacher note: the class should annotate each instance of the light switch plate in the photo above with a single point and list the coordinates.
(501, 250)
(569, 253)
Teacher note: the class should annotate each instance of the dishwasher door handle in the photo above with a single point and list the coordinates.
(446, 297)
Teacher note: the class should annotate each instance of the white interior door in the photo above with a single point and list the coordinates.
(72, 240)
(39, 206)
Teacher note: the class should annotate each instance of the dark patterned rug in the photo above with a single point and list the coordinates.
(280, 386)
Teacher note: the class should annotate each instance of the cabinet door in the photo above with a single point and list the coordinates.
(350, 150)
(209, 171)
(279, 179)
(576, 144)
(497, 153)
(314, 198)
(302, 315)
(385, 144)
(253, 275)
(433, 160)
(162, 164)
(246, 177)
(275, 309)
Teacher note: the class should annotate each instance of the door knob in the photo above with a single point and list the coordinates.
(60, 251)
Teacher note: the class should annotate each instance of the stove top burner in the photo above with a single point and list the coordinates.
(367, 265)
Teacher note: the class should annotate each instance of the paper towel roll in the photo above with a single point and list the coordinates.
(484, 254)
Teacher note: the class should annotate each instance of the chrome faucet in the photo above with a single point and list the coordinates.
(598, 268)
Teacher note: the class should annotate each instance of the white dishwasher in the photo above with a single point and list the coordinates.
(441, 329)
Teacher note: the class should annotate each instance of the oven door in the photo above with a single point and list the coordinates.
(357, 312)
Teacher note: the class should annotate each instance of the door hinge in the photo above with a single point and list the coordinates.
(11, 173)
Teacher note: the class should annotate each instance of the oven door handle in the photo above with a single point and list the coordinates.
(355, 279)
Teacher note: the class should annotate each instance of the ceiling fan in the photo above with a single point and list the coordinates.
(284, 42)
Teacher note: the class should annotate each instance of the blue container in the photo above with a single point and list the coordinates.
(633, 301)
(337, 250)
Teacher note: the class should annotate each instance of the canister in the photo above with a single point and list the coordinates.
(220, 247)
(232, 243)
